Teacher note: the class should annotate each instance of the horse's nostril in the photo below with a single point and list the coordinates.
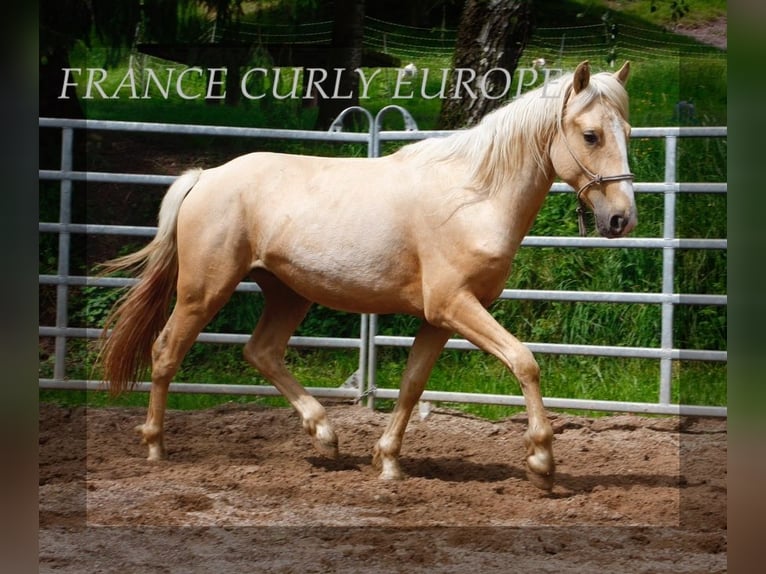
(617, 223)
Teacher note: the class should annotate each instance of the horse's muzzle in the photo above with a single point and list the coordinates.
(616, 224)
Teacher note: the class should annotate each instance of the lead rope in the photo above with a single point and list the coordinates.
(581, 219)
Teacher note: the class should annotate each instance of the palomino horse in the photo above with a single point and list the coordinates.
(430, 230)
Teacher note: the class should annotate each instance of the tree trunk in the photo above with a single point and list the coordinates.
(345, 53)
(492, 34)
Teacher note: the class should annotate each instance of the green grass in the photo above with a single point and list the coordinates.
(595, 378)
(700, 11)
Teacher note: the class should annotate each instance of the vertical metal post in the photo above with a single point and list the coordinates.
(62, 289)
(365, 388)
(364, 337)
(374, 151)
(367, 374)
(370, 377)
(668, 268)
(372, 360)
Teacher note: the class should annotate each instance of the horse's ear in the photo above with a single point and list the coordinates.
(581, 77)
(623, 73)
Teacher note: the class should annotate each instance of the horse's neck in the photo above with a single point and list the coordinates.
(520, 157)
(521, 196)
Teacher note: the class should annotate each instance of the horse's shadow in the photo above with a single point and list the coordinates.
(456, 469)
(571, 484)
(344, 462)
(447, 469)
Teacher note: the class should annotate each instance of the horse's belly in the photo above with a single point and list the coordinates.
(356, 287)
(349, 272)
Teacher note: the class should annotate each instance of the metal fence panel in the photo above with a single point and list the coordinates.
(369, 341)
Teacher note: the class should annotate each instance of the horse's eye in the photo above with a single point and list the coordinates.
(591, 138)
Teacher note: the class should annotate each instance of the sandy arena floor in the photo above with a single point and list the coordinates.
(243, 491)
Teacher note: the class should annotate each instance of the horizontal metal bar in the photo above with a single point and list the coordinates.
(120, 282)
(457, 344)
(622, 242)
(207, 130)
(679, 131)
(561, 403)
(570, 349)
(165, 180)
(81, 281)
(659, 187)
(392, 394)
(156, 127)
(612, 297)
(635, 133)
(201, 388)
(108, 177)
(507, 294)
(225, 338)
(94, 229)
(628, 352)
(701, 355)
(528, 241)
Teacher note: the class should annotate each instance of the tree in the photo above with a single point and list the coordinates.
(227, 18)
(345, 53)
(62, 23)
(65, 22)
(491, 34)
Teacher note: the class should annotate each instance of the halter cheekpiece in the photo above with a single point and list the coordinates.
(595, 178)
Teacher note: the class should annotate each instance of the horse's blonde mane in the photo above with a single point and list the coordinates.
(522, 128)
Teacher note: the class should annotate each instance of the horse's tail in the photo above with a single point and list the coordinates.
(140, 314)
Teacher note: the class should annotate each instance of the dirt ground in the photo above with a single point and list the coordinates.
(243, 491)
(713, 32)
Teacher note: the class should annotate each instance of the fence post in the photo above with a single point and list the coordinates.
(365, 387)
(410, 125)
(668, 268)
(62, 289)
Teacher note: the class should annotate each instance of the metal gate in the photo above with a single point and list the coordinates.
(369, 341)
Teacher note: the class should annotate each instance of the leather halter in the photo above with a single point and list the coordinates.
(595, 178)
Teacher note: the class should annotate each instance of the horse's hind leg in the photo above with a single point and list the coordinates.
(283, 312)
(197, 302)
(428, 344)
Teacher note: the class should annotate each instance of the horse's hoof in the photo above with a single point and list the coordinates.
(330, 451)
(326, 443)
(389, 468)
(540, 470)
(323, 437)
(156, 453)
(541, 481)
(391, 474)
(153, 439)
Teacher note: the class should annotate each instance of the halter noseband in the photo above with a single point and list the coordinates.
(595, 178)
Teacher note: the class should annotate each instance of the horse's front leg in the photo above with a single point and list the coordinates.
(466, 315)
(425, 350)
